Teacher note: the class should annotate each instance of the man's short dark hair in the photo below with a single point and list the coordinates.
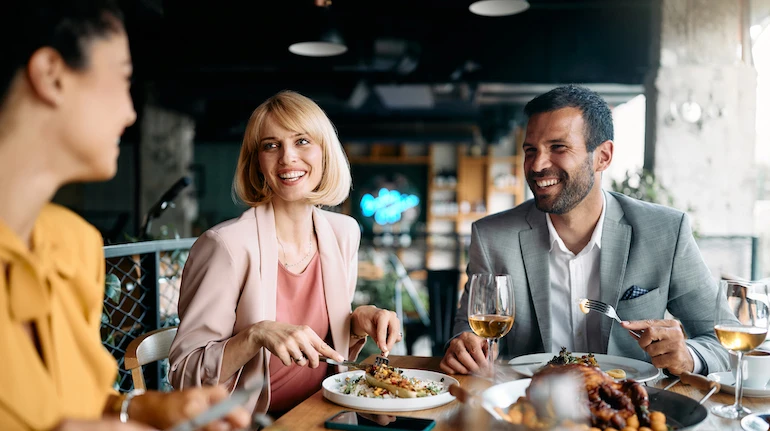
(596, 113)
(65, 25)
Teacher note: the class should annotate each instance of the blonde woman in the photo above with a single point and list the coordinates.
(265, 294)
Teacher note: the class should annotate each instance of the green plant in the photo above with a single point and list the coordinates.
(381, 292)
(165, 233)
(111, 291)
(643, 185)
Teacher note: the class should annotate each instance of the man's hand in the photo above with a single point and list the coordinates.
(663, 340)
(466, 354)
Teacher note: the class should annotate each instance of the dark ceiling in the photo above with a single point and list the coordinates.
(409, 61)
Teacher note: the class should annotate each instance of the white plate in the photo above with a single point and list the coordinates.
(504, 394)
(727, 380)
(331, 390)
(756, 422)
(635, 369)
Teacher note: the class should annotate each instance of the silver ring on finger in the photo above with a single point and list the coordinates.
(300, 359)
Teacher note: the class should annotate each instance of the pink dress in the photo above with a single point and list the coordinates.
(300, 301)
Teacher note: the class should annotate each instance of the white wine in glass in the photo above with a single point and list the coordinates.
(740, 338)
(491, 309)
(491, 326)
(741, 323)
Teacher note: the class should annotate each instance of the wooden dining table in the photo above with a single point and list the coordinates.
(311, 413)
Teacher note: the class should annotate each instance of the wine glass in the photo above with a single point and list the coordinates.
(741, 323)
(491, 309)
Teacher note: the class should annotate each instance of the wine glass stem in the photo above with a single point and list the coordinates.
(491, 356)
(739, 383)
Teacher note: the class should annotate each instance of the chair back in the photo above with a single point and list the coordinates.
(444, 295)
(150, 347)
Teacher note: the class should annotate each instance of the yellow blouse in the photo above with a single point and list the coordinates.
(58, 286)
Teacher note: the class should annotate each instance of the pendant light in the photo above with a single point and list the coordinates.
(330, 41)
(498, 7)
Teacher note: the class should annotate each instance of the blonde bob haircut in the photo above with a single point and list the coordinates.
(299, 114)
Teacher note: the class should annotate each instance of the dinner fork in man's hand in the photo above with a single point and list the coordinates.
(606, 309)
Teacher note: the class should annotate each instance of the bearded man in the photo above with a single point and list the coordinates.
(575, 240)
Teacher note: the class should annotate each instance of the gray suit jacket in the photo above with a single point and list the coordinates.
(643, 244)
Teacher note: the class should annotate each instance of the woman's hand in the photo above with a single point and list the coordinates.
(163, 410)
(382, 325)
(292, 343)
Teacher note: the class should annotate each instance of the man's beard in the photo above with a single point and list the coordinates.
(574, 188)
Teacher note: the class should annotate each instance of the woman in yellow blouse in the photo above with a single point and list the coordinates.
(64, 103)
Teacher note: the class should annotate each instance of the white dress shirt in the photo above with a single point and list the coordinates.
(572, 278)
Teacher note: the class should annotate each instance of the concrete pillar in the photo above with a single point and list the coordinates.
(701, 114)
(166, 154)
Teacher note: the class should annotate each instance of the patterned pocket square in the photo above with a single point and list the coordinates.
(633, 292)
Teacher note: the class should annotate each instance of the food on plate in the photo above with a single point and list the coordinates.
(384, 381)
(601, 401)
(610, 402)
(390, 379)
(564, 357)
(583, 304)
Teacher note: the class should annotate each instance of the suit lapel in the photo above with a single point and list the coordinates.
(268, 258)
(616, 242)
(534, 250)
(333, 272)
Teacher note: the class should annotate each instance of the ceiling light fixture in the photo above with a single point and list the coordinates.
(330, 42)
(498, 7)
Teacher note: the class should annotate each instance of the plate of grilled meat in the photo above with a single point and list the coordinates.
(574, 396)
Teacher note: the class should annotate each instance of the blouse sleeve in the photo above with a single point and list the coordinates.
(207, 303)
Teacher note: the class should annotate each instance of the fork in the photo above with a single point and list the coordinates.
(380, 360)
(606, 309)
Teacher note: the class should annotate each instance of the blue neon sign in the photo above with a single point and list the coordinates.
(388, 206)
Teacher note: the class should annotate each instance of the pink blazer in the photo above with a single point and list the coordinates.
(229, 283)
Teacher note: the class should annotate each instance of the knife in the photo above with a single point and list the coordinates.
(356, 365)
